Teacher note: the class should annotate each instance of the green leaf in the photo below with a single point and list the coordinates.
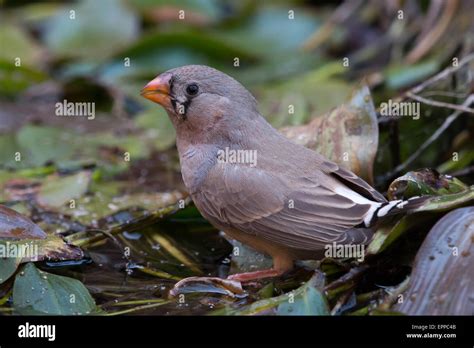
(387, 234)
(56, 191)
(40, 144)
(38, 292)
(208, 8)
(43, 144)
(309, 299)
(401, 76)
(159, 51)
(19, 44)
(157, 127)
(107, 198)
(447, 202)
(257, 34)
(91, 34)
(8, 266)
(14, 79)
(311, 94)
(424, 182)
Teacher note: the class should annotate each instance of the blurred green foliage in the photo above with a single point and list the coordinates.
(285, 52)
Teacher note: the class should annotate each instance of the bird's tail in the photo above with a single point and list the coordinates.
(397, 207)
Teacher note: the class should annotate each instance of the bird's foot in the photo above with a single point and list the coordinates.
(248, 276)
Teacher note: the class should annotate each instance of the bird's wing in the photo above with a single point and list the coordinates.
(298, 212)
(357, 184)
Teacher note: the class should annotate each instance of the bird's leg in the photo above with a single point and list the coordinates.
(281, 264)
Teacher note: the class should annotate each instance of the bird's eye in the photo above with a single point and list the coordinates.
(192, 89)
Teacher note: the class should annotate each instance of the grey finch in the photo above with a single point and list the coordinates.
(260, 188)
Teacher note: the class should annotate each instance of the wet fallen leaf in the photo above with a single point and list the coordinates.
(21, 241)
(442, 281)
(424, 182)
(52, 248)
(39, 292)
(106, 202)
(348, 135)
(309, 299)
(214, 285)
(57, 191)
(16, 226)
(447, 202)
(387, 234)
(8, 267)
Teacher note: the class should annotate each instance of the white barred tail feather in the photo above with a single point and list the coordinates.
(393, 208)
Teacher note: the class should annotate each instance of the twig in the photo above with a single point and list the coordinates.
(445, 94)
(450, 119)
(351, 276)
(439, 104)
(441, 75)
(135, 302)
(463, 172)
(131, 226)
(134, 309)
(392, 297)
(418, 88)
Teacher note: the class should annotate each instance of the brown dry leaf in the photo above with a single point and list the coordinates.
(20, 189)
(53, 248)
(442, 281)
(347, 135)
(13, 225)
(21, 241)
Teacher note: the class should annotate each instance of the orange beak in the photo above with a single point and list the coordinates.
(158, 90)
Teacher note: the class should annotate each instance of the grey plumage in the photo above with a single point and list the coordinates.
(294, 199)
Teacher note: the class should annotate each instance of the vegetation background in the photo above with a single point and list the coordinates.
(103, 199)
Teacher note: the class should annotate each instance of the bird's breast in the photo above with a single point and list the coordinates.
(196, 161)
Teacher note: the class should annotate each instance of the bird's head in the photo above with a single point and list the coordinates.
(198, 97)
